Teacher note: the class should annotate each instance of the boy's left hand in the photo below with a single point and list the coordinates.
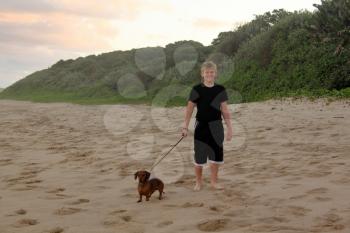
(229, 134)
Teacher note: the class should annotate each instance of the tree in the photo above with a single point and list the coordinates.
(332, 23)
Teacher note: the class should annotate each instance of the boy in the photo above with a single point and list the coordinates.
(210, 99)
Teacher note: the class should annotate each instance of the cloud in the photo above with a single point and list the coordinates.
(79, 25)
(59, 31)
(35, 34)
(28, 6)
(111, 9)
(208, 23)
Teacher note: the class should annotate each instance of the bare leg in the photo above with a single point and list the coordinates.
(214, 168)
(199, 172)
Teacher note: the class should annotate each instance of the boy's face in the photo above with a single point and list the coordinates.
(208, 75)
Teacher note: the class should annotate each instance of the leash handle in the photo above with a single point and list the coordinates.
(165, 154)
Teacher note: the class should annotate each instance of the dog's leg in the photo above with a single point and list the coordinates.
(161, 188)
(140, 198)
(148, 196)
(160, 193)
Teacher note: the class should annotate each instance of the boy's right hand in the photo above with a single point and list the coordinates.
(184, 132)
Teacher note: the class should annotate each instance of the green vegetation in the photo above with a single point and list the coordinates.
(278, 54)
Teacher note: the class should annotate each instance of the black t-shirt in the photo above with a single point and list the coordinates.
(208, 100)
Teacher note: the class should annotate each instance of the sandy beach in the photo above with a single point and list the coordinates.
(70, 168)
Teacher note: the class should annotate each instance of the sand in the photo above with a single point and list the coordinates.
(69, 168)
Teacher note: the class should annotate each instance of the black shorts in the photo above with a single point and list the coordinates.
(208, 142)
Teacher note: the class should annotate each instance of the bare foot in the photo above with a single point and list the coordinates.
(217, 186)
(197, 187)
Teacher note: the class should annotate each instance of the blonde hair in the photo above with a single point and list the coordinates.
(208, 65)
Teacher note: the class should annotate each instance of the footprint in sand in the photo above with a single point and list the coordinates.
(103, 187)
(122, 219)
(238, 212)
(79, 201)
(213, 225)
(275, 228)
(4, 162)
(170, 205)
(26, 188)
(129, 195)
(297, 210)
(26, 179)
(341, 181)
(106, 170)
(317, 191)
(294, 178)
(67, 211)
(58, 194)
(195, 204)
(21, 211)
(126, 218)
(117, 212)
(111, 223)
(329, 222)
(26, 222)
(17, 212)
(31, 171)
(323, 198)
(318, 173)
(297, 197)
(164, 223)
(216, 208)
(117, 222)
(287, 186)
(273, 220)
(55, 230)
(56, 190)
(33, 181)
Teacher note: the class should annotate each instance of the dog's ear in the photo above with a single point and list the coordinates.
(136, 175)
(147, 175)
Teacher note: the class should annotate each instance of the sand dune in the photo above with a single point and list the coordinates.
(69, 168)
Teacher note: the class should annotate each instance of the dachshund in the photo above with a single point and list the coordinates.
(146, 187)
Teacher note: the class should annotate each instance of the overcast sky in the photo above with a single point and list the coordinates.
(34, 34)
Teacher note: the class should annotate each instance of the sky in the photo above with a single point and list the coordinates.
(34, 34)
